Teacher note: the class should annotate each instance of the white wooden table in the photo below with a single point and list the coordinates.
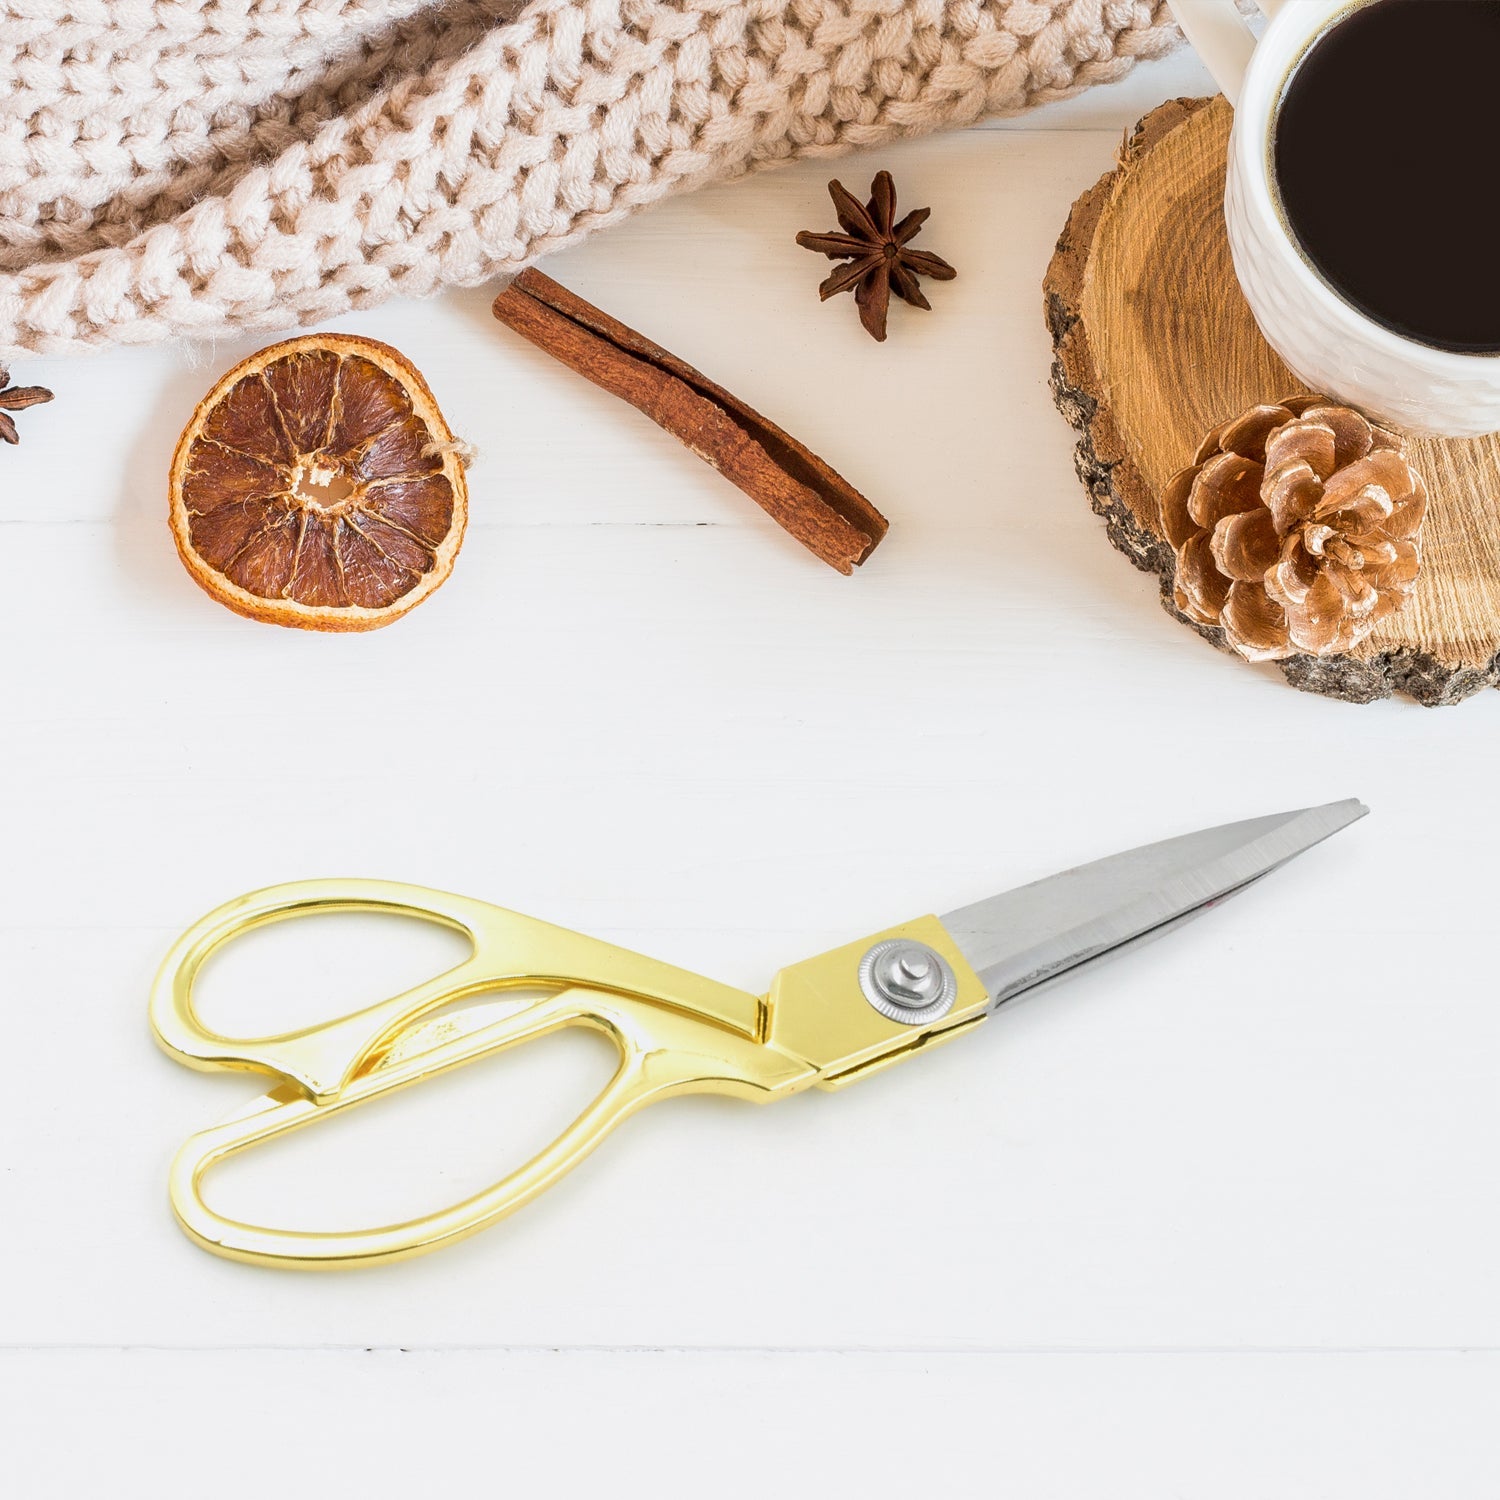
(1219, 1221)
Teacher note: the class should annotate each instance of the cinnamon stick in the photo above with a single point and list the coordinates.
(788, 481)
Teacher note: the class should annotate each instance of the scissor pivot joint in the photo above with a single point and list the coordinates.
(907, 981)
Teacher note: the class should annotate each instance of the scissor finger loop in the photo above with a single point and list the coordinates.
(653, 1063)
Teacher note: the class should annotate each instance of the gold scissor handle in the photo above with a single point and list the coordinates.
(675, 1032)
(507, 950)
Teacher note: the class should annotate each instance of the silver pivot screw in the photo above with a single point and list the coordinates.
(907, 982)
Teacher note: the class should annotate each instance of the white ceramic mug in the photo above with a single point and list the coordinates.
(1331, 345)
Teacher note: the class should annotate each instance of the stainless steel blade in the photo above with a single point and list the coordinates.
(1024, 938)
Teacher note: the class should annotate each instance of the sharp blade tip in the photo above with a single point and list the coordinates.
(1324, 820)
(1348, 810)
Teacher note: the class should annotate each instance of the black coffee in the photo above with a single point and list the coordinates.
(1387, 157)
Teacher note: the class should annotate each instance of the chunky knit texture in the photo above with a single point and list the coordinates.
(184, 167)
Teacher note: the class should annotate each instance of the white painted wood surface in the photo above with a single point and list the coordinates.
(1219, 1221)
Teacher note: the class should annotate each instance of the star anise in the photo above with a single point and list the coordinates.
(16, 398)
(878, 253)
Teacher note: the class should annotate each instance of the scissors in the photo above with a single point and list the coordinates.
(826, 1021)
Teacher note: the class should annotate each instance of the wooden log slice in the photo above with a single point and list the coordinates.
(1155, 344)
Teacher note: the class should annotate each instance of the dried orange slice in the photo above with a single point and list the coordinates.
(318, 485)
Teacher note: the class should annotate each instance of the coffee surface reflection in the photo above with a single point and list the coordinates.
(1386, 157)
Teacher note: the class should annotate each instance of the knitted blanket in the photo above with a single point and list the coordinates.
(174, 168)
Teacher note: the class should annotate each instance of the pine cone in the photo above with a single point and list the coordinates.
(1296, 528)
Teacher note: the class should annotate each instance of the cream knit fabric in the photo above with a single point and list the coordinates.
(183, 167)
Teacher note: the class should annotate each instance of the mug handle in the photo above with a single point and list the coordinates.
(1218, 34)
